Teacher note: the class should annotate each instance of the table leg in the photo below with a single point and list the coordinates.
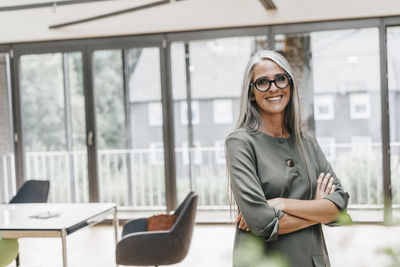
(64, 246)
(115, 223)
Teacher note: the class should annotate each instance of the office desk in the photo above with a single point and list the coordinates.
(16, 220)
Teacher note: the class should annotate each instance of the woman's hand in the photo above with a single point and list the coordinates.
(242, 223)
(325, 186)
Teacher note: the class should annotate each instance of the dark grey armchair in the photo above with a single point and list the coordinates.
(32, 191)
(139, 247)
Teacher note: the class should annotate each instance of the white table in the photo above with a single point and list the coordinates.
(15, 221)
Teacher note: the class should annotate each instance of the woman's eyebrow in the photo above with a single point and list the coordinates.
(260, 77)
(274, 76)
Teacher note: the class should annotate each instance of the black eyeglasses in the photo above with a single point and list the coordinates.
(263, 84)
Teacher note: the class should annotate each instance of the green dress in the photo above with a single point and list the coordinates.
(264, 167)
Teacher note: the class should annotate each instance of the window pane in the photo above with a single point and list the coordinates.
(53, 120)
(129, 127)
(393, 44)
(7, 167)
(216, 70)
(340, 71)
(146, 142)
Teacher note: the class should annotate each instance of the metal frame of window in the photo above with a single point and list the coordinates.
(36, 48)
(5, 50)
(163, 41)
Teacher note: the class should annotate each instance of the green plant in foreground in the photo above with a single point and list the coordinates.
(251, 253)
(393, 254)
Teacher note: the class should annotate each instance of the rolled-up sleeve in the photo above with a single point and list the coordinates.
(340, 198)
(260, 217)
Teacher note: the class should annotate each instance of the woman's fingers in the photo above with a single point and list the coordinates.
(329, 186)
(333, 189)
(238, 218)
(242, 223)
(319, 181)
(324, 184)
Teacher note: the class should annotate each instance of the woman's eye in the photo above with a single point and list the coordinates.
(281, 78)
(262, 81)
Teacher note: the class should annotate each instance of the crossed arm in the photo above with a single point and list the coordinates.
(301, 214)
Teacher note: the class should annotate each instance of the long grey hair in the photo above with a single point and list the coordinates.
(250, 118)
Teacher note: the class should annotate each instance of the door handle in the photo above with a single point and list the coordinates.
(90, 138)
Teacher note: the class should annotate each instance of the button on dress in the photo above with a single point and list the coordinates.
(263, 167)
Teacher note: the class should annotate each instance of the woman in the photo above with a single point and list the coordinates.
(282, 183)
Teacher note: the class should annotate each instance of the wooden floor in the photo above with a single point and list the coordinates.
(350, 246)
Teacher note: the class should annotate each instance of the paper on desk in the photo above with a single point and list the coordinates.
(45, 215)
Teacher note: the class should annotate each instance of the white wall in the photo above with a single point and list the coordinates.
(33, 25)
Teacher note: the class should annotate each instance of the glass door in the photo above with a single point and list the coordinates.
(53, 123)
(129, 127)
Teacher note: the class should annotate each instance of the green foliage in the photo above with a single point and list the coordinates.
(43, 102)
(252, 254)
(393, 254)
(361, 176)
(344, 218)
(109, 99)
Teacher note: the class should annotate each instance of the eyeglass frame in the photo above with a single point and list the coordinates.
(272, 81)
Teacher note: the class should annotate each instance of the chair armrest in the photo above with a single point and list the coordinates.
(134, 226)
(149, 248)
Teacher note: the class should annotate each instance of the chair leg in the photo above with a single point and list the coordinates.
(17, 260)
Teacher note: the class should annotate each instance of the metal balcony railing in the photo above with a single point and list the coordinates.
(135, 177)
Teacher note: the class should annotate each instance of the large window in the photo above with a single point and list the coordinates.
(341, 69)
(53, 121)
(393, 44)
(127, 86)
(7, 166)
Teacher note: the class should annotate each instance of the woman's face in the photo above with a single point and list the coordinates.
(274, 100)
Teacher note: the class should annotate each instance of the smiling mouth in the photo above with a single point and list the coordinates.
(274, 99)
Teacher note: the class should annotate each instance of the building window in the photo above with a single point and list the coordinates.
(222, 111)
(155, 114)
(195, 113)
(324, 108)
(328, 146)
(194, 152)
(156, 153)
(360, 106)
(219, 151)
(361, 144)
